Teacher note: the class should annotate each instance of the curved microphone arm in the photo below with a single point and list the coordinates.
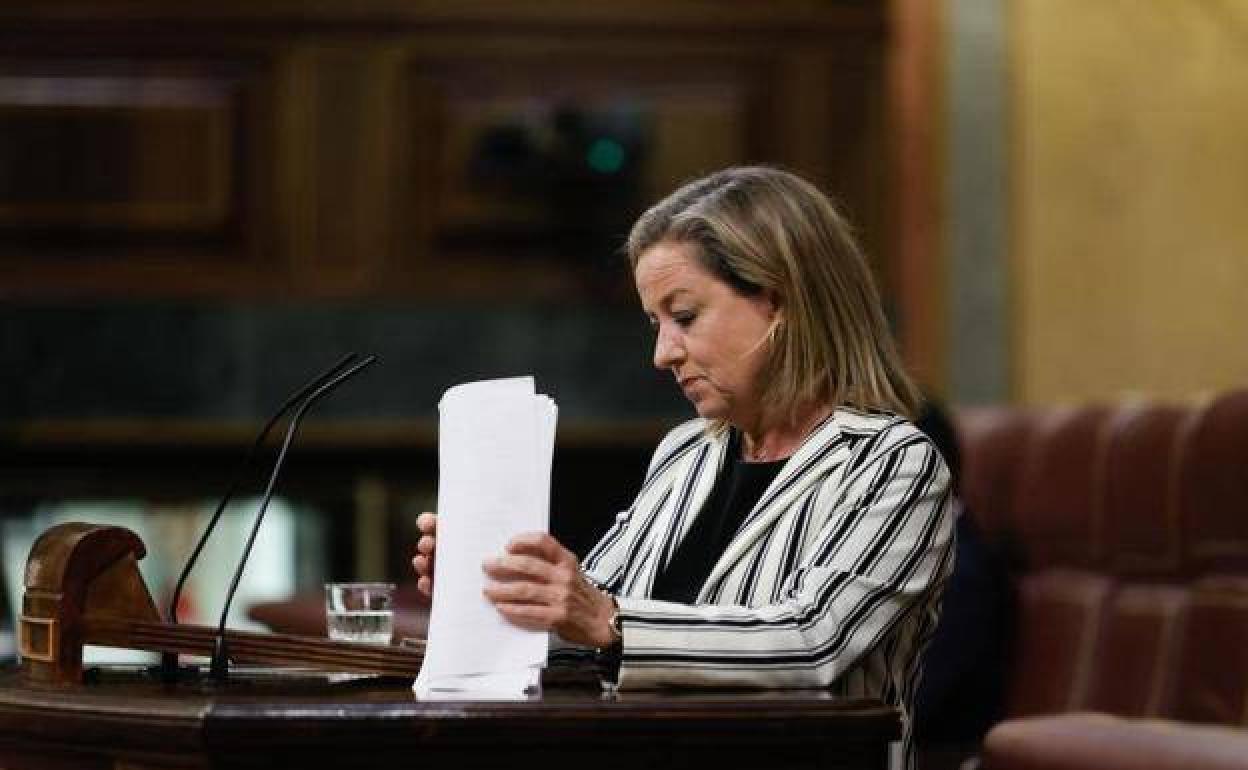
(220, 656)
(300, 395)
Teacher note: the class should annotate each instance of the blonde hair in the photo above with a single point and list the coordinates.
(762, 229)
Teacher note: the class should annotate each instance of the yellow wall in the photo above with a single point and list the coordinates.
(1130, 198)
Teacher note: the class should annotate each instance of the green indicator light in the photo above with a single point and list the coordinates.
(605, 156)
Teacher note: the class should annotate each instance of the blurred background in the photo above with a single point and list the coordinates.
(203, 205)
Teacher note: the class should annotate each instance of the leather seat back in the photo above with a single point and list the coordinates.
(1058, 497)
(1058, 628)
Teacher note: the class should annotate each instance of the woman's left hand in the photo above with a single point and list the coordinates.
(538, 584)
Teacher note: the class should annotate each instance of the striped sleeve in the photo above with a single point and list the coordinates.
(883, 543)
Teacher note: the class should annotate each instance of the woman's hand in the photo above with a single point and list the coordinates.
(538, 584)
(422, 562)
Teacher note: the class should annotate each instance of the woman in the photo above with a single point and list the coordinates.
(795, 534)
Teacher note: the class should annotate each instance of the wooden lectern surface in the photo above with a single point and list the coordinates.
(284, 718)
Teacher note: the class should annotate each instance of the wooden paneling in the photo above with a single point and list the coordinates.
(130, 175)
(531, 175)
(410, 150)
(156, 151)
(918, 268)
(132, 153)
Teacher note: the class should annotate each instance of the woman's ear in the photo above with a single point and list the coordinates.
(775, 307)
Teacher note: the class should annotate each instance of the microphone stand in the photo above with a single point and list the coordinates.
(169, 661)
(219, 667)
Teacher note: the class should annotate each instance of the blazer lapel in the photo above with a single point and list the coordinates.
(820, 452)
(690, 481)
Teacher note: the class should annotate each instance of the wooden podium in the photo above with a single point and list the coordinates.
(83, 587)
(288, 719)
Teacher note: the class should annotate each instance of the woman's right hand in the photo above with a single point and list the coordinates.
(422, 562)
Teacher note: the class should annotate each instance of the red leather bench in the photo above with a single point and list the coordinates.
(1130, 526)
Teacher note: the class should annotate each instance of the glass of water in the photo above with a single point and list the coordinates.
(360, 612)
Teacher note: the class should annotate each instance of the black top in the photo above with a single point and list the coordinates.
(739, 486)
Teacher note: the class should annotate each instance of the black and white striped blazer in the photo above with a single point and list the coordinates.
(833, 579)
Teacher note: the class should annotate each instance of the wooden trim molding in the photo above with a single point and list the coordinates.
(916, 86)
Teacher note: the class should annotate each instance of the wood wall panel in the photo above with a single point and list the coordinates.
(348, 137)
(497, 160)
(335, 149)
(127, 152)
(139, 175)
(915, 103)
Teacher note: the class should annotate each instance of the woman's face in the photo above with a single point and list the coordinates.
(713, 339)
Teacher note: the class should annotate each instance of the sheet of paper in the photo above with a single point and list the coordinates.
(511, 685)
(495, 443)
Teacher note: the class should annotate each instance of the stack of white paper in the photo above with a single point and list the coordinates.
(495, 442)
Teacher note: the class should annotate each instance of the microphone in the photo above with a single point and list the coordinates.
(169, 661)
(219, 667)
(297, 396)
